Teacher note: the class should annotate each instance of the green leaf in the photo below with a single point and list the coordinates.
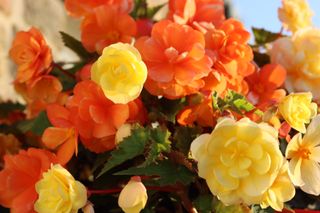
(76, 67)
(204, 203)
(183, 137)
(263, 36)
(67, 81)
(162, 109)
(219, 207)
(75, 45)
(100, 160)
(129, 148)
(7, 107)
(159, 143)
(153, 10)
(215, 99)
(232, 101)
(243, 104)
(36, 125)
(139, 9)
(168, 173)
(257, 209)
(261, 58)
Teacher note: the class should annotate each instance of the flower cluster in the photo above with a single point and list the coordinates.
(151, 109)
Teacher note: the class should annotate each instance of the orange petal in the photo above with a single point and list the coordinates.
(66, 150)
(54, 137)
(103, 130)
(98, 114)
(272, 75)
(58, 115)
(119, 114)
(24, 202)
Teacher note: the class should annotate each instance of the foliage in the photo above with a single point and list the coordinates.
(75, 45)
(168, 173)
(234, 102)
(193, 77)
(262, 36)
(36, 125)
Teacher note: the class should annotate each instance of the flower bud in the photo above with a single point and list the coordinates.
(133, 197)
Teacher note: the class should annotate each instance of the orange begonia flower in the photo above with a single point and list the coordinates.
(228, 49)
(32, 55)
(84, 73)
(42, 91)
(203, 114)
(63, 137)
(176, 60)
(227, 46)
(19, 176)
(78, 8)
(264, 86)
(96, 118)
(195, 12)
(105, 26)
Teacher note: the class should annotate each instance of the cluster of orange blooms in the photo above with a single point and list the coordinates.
(195, 50)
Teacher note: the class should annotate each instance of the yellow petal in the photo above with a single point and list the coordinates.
(310, 172)
(312, 136)
(225, 179)
(262, 165)
(315, 154)
(256, 185)
(295, 171)
(293, 146)
(197, 145)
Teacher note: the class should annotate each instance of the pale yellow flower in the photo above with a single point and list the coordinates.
(282, 190)
(59, 192)
(298, 109)
(295, 14)
(300, 55)
(304, 155)
(120, 72)
(133, 197)
(239, 160)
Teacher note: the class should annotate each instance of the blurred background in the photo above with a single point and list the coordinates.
(50, 17)
(264, 13)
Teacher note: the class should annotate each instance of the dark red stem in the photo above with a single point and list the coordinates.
(117, 190)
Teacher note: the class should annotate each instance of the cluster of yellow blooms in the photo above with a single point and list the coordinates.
(300, 52)
(242, 163)
(240, 160)
(59, 192)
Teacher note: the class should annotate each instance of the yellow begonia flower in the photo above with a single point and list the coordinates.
(59, 192)
(295, 14)
(304, 155)
(298, 109)
(282, 190)
(299, 55)
(239, 160)
(133, 197)
(120, 72)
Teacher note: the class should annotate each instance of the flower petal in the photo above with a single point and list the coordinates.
(310, 172)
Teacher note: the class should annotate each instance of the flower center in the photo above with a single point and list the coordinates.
(304, 153)
(113, 36)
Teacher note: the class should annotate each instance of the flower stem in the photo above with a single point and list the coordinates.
(117, 190)
(103, 192)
